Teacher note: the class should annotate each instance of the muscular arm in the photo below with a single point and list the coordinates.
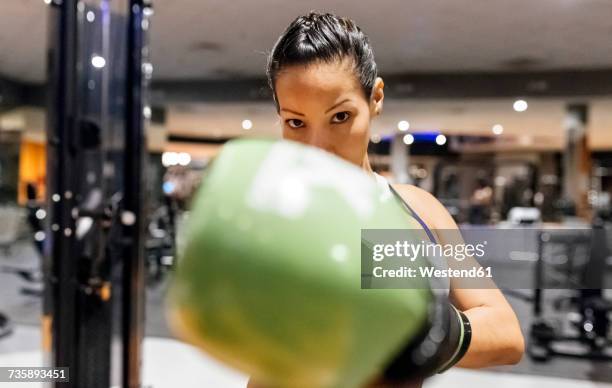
(496, 334)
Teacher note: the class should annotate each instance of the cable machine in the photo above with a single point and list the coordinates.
(94, 261)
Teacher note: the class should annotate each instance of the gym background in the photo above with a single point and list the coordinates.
(501, 109)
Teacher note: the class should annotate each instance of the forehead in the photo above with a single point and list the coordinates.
(320, 82)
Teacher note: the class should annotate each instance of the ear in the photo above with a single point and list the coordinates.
(377, 97)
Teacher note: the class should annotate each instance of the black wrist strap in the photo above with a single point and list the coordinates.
(423, 354)
(461, 337)
(442, 343)
(467, 339)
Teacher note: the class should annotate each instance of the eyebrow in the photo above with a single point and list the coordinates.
(338, 104)
(301, 114)
(292, 111)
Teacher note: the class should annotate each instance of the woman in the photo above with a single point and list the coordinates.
(326, 90)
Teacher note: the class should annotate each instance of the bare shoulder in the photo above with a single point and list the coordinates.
(413, 192)
(433, 213)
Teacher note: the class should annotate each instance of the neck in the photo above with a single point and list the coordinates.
(365, 165)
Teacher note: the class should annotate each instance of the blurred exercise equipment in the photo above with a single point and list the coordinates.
(477, 192)
(11, 217)
(6, 326)
(160, 242)
(573, 260)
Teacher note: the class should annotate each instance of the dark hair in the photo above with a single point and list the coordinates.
(326, 38)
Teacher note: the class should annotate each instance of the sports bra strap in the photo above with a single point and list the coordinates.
(431, 236)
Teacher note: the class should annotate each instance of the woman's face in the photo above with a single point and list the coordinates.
(323, 105)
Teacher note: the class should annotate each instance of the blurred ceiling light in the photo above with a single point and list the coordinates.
(47, 2)
(497, 129)
(170, 159)
(247, 124)
(520, 105)
(184, 158)
(147, 69)
(403, 125)
(440, 139)
(375, 138)
(91, 16)
(98, 62)
(408, 139)
(147, 112)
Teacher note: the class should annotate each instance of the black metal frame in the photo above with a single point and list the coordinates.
(134, 190)
(94, 297)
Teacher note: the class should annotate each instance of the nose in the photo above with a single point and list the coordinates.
(321, 139)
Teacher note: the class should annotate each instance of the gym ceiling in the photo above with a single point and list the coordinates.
(454, 66)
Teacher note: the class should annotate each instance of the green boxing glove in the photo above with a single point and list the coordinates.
(269, 280)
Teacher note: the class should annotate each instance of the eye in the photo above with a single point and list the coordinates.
(295, 123)
(341, 117)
